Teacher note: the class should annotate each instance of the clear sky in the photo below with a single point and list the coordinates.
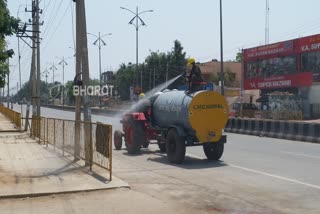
(194, 23)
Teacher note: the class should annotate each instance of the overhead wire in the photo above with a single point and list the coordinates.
(56, 28)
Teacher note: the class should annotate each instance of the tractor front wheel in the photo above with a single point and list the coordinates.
(134, 136)
(117, 139)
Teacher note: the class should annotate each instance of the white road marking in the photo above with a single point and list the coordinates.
(264, 173)
(298, 154)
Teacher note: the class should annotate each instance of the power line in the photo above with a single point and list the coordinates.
(52, 17)
(55, 30)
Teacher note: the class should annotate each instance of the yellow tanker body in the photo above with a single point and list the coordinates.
(203, 114)
(190, 119)
(175, 120)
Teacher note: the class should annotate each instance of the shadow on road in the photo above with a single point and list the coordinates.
(189, 162)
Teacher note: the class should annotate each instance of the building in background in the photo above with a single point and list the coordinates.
(211, 72)
(107, 77)
(291, 67)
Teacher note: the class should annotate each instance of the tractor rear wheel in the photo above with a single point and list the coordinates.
(175, 146)
(134, 136)
(117, 139)
(213, 151)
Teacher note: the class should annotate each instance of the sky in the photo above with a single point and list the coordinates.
(196, 24)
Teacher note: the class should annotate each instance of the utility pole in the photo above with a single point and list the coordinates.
(83, 65)
(38, 58)
(19, 53)
(221, 51)
(267, 23)
(8, 89)
(53, 68)
(77, 78)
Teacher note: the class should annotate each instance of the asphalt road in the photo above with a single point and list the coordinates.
(255, 175)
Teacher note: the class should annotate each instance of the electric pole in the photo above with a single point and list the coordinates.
(267, 23)
(53, 68)
(221, 51)
(8, 92)
(19, 53)
(38, 58)
(82, 68)
(22, 32)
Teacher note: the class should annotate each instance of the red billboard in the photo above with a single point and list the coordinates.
(269, 50)
(285, 81)
(310, 43)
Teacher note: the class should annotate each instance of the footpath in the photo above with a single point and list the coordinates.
(35, 179)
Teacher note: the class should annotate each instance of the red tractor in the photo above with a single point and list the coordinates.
(175, 119)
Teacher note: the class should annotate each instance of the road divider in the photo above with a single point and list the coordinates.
(290, 130)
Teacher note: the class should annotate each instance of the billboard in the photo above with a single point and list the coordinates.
(269, 50)
(285, 81)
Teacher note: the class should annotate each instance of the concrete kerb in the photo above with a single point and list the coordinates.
(35, 195)
(309, 132)
(290, 130)
(316, 138)
(228, 125)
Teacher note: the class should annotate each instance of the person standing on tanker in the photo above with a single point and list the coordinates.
(193, 76)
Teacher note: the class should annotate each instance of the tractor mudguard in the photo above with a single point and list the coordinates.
(138, 116)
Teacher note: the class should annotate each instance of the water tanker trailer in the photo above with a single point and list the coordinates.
(176, 119)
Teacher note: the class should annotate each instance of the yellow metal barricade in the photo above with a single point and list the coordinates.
(13, 116)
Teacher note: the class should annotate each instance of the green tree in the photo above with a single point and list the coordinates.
(8, 24)
(239, 57)
(69, 92)
(125, 77)
(24, 93)
(157, 67)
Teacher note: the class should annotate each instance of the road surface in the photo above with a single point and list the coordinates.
(256, 175)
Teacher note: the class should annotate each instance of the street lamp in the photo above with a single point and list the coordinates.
(99, 42)
(63, 63)
(137, 25)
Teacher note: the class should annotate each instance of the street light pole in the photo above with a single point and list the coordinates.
(137, 26)
(63, 63)
(221, 51)
(99, 42)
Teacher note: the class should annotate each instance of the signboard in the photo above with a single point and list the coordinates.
(285, 81)
(267, 50)
(310, 43)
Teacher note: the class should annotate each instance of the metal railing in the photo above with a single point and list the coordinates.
(93, 144)
(15, 117)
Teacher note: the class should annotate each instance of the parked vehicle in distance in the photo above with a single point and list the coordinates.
(248, 109)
